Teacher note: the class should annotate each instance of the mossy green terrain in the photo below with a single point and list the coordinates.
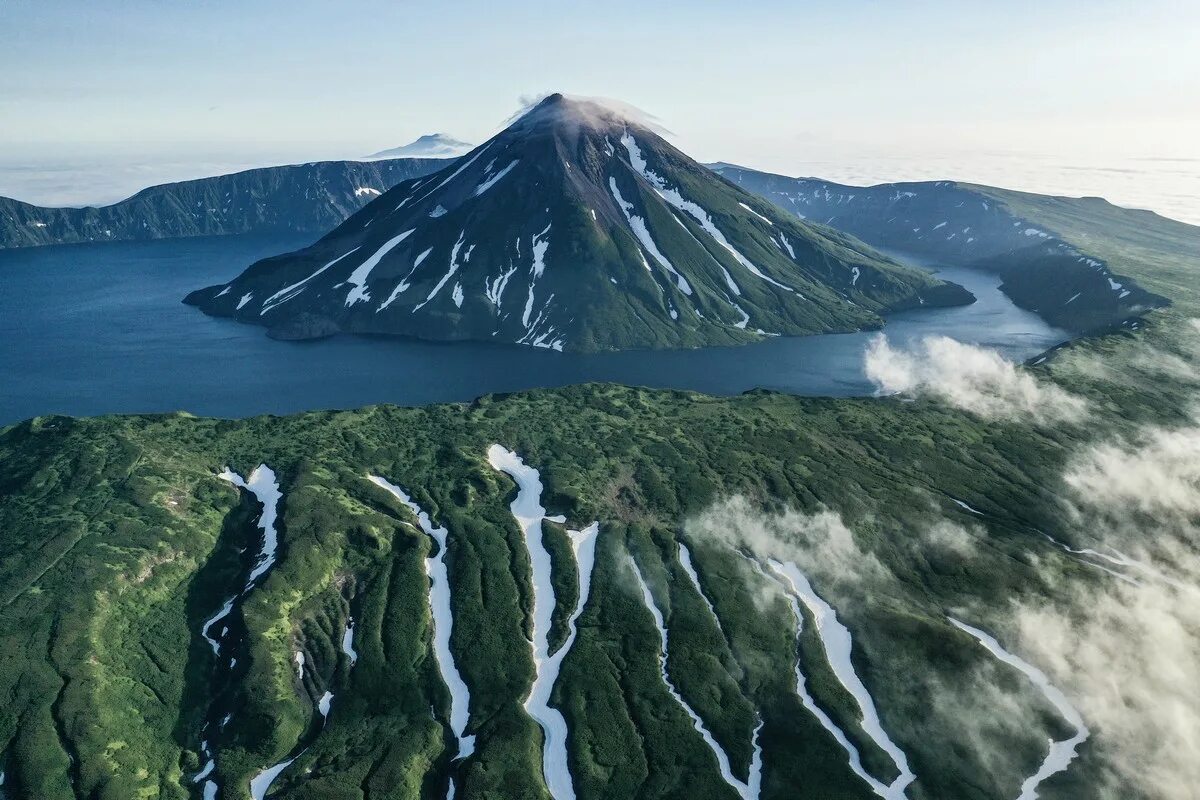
(118, 540)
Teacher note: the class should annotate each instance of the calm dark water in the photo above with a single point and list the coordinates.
(96, 329)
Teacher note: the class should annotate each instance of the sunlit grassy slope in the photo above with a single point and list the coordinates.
(117, 541)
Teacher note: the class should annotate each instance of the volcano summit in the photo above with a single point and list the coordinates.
(575, 228)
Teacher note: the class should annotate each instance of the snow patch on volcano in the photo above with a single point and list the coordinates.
(288, 292)
(454, 266)
(358, 278)
(493, 180)
(702, 217)
(638, 225)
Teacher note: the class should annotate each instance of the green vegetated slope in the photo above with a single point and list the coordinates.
(119, 541)
(1158, 252)
(1056, 254)
(1144, 365)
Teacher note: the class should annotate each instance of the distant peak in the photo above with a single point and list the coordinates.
(440, 138)
(431, 145)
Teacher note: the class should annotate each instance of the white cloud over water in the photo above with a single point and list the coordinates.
(971, 378)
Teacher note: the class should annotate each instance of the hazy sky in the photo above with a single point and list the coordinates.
(772, 84)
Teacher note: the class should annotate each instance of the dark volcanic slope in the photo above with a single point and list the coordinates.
(965, 225)
(302, 197)
(575, 229)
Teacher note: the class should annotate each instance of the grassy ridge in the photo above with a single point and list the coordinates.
(639, 461)
(117, 541)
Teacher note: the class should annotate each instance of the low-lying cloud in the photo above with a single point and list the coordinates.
(1156, 475)
(1177, 360)
(821, 543)
(972, 378)
(1126, 652)
(1128, 658)
(1129, 651)
(1124, 648)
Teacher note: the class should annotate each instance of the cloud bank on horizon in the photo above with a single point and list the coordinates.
(78, 83)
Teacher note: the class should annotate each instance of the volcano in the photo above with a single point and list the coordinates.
(576, 228)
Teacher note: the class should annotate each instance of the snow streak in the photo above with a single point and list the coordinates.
(348, 642)
(534, 336)
(289, 292)
(685, 560)
(672, 196)
(443, 624)
(541, 242)
(1061, 753)
(456, 172)
(783, 238)
(492, 181)
(265, 488)
(837, 644)
(494, 290)
(454, 265)
(529, 513)
(755, 213)
(638, 226)
(810, 704)
(748, 790)
(358, 278)
(403, 286)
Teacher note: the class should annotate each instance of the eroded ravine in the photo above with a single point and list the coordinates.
(754, 776)
(685, 561)
(1061, 753)
(747, 790)
(837, 644)
(260, 784)
(529, 513)
(443, 622)
(1119, 564)
(809, 702)
(264, 486)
